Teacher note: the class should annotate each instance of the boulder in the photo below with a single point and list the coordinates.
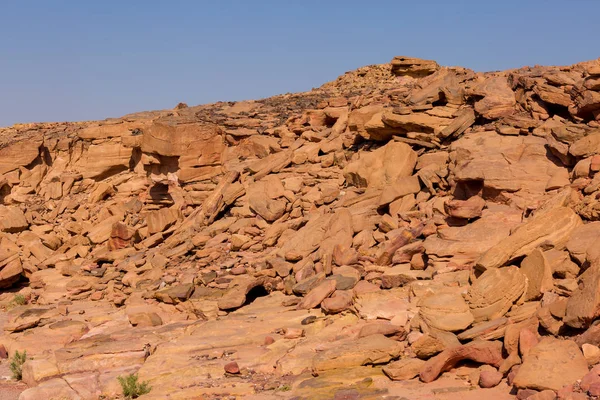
(369, 350)
(482, 352)
(495, 291)
(552, 227)
(12, 219)
(446, 311)
(551, 365)
(539, 275)
(381, 167)
(583, 307)
(265, 197)
(414, 67)
(404, 369)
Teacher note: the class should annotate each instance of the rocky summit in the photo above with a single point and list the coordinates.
(406, 231)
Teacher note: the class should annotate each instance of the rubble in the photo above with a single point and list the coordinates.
(406, 228)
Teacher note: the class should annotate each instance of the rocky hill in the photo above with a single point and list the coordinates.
(405, 231)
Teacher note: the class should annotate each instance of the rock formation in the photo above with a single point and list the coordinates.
(408, 230)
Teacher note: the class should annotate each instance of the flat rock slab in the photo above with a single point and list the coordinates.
(370, 350)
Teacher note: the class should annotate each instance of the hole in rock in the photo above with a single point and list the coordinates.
(442, 100)
(464, 190)
(255, 293)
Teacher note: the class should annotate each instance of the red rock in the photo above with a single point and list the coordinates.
(480, 351)
(269, 340)
(232, 368)
(339, 301)
(527, 341)
(594, 389)
(489, 379)
(523, 394)
(588, 380)
(3, 352)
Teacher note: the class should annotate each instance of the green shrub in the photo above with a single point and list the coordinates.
(19, 299)
(132, 389)
(16, 364)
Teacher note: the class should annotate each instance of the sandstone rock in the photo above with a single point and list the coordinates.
(498, 98)
(582, 241)
(19, 154)
(161, 219)
(591, 353)
(447, 312)
(232, 368)
(12, 219)
(404, 369)
(495, 291)
(538, 273)
(551, 227)
(582, 306)
(382, 166)
(317, 295)
(339, 301)
(482, 352)
(467, 209)
(370, 350)
(414, 67)
(550, 365)
(106, 158)
(264, 198)
(489, 379)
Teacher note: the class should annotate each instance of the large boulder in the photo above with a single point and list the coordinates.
(551, 364)
(446, 311)
(19, 154)
(495, 291)
(382, 166)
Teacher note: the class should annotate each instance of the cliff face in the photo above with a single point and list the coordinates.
(406, 209)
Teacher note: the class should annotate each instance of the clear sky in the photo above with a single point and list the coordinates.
(78, 59)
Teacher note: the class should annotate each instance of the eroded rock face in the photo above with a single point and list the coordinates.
(406, 215)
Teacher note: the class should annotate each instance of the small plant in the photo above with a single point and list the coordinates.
(132, 389)
(19, 300)
(284, 388)
(16, 364)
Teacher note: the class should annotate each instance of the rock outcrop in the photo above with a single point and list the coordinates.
(405, 222)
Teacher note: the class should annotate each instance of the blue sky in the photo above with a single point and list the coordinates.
(76, 60)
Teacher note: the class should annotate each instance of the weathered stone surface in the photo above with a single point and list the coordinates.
(550, 365)
(194, 245)
(538, 273)
(583, 305)
(106, 158)
(414, 67)
(382, 166)
(12, 219)
(495, 291)
(480, 351)
(467, 209)
(551, 227)
(448, 312)
(370, 350)
(19, 154)
(318, 294)
(265, 198)
(404, 369)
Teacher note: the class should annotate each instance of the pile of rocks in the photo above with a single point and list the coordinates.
(405, 230)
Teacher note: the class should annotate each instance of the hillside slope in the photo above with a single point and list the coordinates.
(330, 244)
